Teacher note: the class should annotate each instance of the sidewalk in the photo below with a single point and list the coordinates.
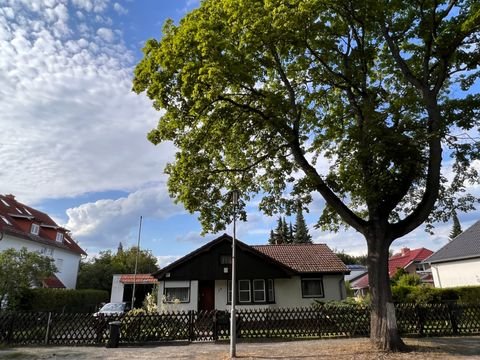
(339, 349)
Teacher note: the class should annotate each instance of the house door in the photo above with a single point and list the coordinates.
(206, 295)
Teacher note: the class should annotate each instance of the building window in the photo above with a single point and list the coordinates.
(5, 203)
(26, 210)
(259, 290)
(225, 259)
(59, 265)
(59, 237)
(244, 291)
(229, 291)
(35, 229)
(312, 288)
(177, 294)
(5, 220)
(270, 291)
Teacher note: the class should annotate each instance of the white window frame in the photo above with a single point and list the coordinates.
(229, 291)
(244, 291)
(322, 291)
(59, 237)
(59, 265)
(172, 300)
(35, 229)
(259, 290)
(5, 203)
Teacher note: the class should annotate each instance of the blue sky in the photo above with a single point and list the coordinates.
(73, 138)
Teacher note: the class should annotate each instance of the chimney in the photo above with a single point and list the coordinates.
(404, 251)
(10, 196)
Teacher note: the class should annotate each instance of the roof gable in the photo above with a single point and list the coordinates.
(464, 246)
(16, 219)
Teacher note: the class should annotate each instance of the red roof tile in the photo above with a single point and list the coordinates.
(53, 282)
(139, 279)
(17, 218)
(400, 260)
(305, 258)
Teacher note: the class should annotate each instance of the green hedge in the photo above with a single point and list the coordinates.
(63, 300)
(430, 295)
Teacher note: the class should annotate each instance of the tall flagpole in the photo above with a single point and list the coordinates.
(136, 264)
(233, 329)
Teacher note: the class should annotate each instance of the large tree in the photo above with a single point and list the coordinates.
(97, 273)
(20, 270)
(255, 92)
(302, 236)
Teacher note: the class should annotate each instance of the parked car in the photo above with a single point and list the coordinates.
(112, 308)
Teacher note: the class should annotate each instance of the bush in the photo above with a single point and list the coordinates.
(430, 295)
(63, 300)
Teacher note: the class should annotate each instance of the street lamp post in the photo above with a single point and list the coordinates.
(136, 264)
(233, 329)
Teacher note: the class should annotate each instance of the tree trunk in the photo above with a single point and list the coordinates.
(383, 324)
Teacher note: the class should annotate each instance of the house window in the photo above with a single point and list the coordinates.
(259, 290)
(177, 294)
(5, 203)
(312, 288)
(59, 265)
(59, 237)
(5, 220)
(229, 291)
(225, 260)
(270, 291)
(28, 212)
(35, 229)
(244, 291)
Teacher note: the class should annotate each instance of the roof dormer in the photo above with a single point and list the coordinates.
(59, 237)
(35, 229)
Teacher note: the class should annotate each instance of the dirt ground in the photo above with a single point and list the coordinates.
(338, 349)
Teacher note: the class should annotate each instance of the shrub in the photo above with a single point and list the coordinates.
(62, 300)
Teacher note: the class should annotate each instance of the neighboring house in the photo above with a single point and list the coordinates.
(409, 260)
(356, 272)
(23, 226)
(458, 262)
(287, 275)
(122, 287)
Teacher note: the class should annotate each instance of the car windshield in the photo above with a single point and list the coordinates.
(112, 307)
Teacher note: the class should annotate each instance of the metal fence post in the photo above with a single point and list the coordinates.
(47, 332)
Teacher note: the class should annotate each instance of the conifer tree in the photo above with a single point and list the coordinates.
(457, 228)
(301, 231)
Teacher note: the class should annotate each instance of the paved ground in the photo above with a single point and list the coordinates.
(339, 349)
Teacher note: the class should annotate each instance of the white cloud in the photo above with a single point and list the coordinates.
(106, 34)
(104, 223)
(120, 9)
(70, 123)
(165, 260)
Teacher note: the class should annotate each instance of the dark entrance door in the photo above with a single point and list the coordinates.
(206, 295)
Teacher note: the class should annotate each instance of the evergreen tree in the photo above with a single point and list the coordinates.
(273, 237)
(301, 231)
(457, 228)
(291, 234)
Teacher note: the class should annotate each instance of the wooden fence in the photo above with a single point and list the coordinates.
(312, 322)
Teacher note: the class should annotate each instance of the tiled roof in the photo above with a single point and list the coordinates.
(16, 219)
(305, 258)
(464, 246)
(53, 282)
(399, 260)
(138, 279)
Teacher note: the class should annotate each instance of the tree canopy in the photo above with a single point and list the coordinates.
(97, 273)
(20, 270)
(359, 101)
(456, 227)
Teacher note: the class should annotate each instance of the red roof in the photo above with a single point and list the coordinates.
(139, 279)
(53, 282)
(16, 219)
(400, 260)
(305, 258)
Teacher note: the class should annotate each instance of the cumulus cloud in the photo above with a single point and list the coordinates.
(120, 9)
(104, 223)
(163, 261)
(70, 123)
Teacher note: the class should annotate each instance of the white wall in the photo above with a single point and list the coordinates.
(117, 289)
(456, 273)
(69, 269)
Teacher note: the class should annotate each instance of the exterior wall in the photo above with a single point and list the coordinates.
(66, 261)
(456, 273)
(117, 289)
(191, 305)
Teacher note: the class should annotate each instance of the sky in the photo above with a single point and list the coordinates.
(73, 134)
